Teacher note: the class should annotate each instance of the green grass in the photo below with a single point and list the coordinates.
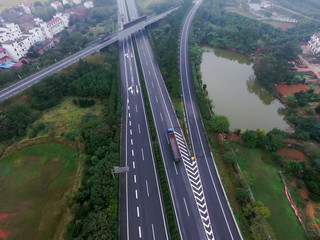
(34, 183)
(11, 3)
(267, 187)
(67, 116)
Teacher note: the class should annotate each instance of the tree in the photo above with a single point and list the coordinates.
(229, 157)
(219, 123)
(261, 209)
(242, 194)
(295, 168)
(250, 138)
(318, 109)
(291, 101)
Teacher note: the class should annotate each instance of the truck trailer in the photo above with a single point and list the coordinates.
(174, 145)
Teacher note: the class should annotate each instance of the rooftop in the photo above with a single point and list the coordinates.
(56, 3)
(2, 49)
(52, 21)
(4, 58)
(317, 35)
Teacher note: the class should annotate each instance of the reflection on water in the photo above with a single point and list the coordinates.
(236, 94)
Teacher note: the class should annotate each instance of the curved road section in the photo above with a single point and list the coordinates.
(224, 225)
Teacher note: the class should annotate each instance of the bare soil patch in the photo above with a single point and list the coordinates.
(291, 154)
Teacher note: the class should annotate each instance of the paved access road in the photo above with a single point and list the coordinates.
(142, 214)
(223, 223)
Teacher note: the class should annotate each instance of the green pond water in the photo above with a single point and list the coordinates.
(232, 86)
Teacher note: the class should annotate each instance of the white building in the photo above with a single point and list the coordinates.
(76, 1)
(37, 34)
(266, 4)
(18, 48)
(9, 31)
(65, 17)
(64, 2)
(56, 5)
(46, 30)
(4, 58)
(88, 4)
(314, 43)
(55, 25)
(26, 6)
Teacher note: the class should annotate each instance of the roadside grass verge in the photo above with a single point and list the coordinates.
(35, 184)
(266, 185)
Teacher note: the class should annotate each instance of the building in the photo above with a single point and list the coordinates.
(9, 31)
(314, 44)
(37, 34)
(4, 57)
(55, 25)
(76, 1)
(65, 18)
(26, 6)
(266, 4)
(64, 2)
(18, 48)
(88, 4)
(56, 5)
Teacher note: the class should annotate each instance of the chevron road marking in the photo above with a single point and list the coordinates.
(196, 185)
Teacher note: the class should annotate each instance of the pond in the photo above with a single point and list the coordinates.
(232, 86)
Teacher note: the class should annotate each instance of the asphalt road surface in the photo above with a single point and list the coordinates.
(224, 225)
(142, 214)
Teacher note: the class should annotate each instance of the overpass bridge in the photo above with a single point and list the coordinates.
(91, 48)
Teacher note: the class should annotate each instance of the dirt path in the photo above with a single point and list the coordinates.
(315, 68)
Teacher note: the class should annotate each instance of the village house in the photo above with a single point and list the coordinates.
(4, 57)
(26, 6)
(56, 5)
(314, 43)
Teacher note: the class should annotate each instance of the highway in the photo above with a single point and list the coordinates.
(223, 222)
(183, 178)
(142, 214)
(90, 49)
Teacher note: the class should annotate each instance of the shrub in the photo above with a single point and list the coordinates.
(242, 194)
(229, 157)
(219, 123)
(316, 215)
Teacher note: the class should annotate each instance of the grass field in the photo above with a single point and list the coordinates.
(11, 3)
(67, 116)
(267, 187)
(33, 186)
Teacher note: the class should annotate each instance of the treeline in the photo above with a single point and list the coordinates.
(306, 7)
(215, 26)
